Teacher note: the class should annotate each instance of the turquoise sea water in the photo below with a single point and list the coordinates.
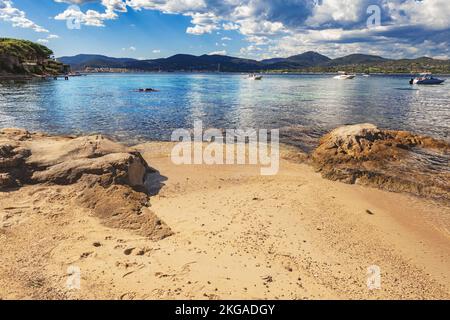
(302, 106)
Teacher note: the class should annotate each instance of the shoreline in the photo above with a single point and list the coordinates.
(27, 77)
(233, 233)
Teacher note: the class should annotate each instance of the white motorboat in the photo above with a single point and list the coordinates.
(426, 78)
(255, 77)
(75, 74)
(344, 76)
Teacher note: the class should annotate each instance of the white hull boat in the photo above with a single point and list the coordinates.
(255, 77)
(345, 77)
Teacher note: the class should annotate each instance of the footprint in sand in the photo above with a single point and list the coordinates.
(136, 251)
(85, 255)
(128, 251)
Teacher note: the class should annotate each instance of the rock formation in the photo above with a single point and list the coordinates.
(20, 58)
(392, 160)
(106, 177)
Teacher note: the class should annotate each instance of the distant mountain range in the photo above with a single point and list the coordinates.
(305, 62)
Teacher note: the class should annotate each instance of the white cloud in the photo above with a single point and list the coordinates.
(230, 26)
(338, 11)
(199, 29)
(203, 23)
(220, 53)
(156, 51)
(252, 27)
(251, 51)
(258, 40)
(169, 6)
(89, 18)
(17, 17)
(47, 39)
(432, 14)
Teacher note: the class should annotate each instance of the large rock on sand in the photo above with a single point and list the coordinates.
(36, 158)
(392, 160)
(101, 175)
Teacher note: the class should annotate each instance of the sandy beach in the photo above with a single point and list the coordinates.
(225, 232)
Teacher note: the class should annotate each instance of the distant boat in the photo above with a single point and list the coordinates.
(426, 78)
(344, 76)
(255, 77)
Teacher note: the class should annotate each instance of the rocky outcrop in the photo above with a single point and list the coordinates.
(392, 160)
(106, 177)
(36, 158)
(20, 58)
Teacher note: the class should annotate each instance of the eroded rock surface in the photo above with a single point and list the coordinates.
(104, 176)
(391, 160)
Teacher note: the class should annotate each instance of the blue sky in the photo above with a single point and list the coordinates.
(247, 28)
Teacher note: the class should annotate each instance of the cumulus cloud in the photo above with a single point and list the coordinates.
(17, 17)
(431, 14)
(92, 17)
(203, 23)
(285, 26)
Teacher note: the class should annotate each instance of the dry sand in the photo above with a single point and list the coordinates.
(237, 235)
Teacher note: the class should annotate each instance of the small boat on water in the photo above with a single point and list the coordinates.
(75, 74)
(255, 77)
(344, 76)
(426, 78)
